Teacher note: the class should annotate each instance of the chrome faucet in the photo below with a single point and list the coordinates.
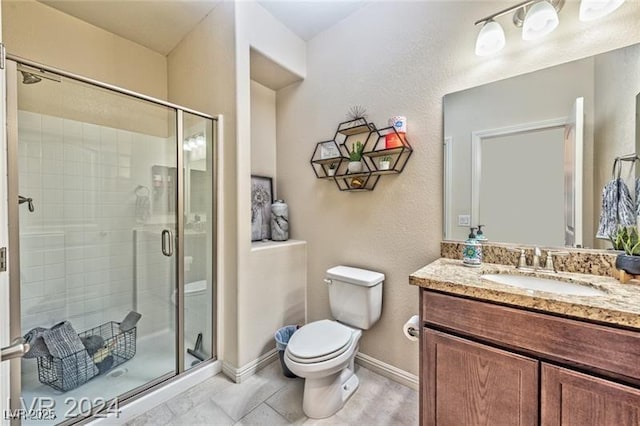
(548, 265)
(535, 263)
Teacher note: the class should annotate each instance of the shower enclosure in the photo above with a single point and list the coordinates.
(111, 211)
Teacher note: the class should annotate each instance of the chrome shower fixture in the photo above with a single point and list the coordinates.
(33, 76)
(28, 78)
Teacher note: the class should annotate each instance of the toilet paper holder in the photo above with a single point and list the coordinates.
(412, 331)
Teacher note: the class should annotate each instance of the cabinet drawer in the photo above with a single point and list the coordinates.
(598, 348)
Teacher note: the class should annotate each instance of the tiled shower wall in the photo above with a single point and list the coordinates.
(77, 250)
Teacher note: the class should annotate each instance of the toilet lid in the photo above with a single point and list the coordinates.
(319, 338)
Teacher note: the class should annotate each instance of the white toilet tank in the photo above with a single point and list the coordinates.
(355, 295)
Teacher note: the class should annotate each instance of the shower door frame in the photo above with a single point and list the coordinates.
(11, 112)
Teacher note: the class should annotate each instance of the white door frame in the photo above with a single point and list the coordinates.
(4, 242)
(448, 170)
(476, 152)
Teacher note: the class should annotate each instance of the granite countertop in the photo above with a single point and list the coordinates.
(619, 306)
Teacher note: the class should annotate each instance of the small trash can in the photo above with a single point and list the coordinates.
(282, 337)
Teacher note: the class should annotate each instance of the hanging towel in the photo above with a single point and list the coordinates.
(617, 208)
(143, 204)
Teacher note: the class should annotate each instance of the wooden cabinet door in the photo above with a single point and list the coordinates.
(569, 398)
(466, 383)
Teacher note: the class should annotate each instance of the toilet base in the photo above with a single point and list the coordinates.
(324, 396)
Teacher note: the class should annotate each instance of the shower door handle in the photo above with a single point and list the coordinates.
(17, 349)
(167, 242)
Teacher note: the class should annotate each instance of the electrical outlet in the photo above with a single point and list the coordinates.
(464, 220)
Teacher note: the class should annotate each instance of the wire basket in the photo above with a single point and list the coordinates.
(71, 371)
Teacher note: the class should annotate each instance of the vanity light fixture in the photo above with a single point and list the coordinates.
(491, 39)
(541, 19)
(595, 9)
(537, 18)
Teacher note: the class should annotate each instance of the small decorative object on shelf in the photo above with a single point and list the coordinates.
(358, 166)
(357, 183)
(279, 221)
(394, 139)
(261, 196)
(357, 112)
(329, 150)
(385, 163)
(355, 158)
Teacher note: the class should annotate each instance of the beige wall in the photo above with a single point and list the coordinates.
(424, 50)
(40, 33)
(256, 28)
(263, 130)
(278, 276)
(202, 77)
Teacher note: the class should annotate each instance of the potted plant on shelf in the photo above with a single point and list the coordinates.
(331, 171)
(626, 237)
(355, 158)
(385, 163)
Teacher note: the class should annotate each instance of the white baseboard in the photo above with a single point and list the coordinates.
(161, 395)
(387, 370)
(241, 374)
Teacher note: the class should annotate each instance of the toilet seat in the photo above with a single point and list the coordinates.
(319, 341)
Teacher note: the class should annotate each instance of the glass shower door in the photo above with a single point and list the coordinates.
(97, 225)
(199, 242)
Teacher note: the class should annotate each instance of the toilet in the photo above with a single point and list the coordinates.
(195, 312)
(323, 352)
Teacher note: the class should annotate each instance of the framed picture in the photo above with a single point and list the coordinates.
(329, 150)
(261, 199)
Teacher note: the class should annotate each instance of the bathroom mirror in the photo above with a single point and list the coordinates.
(528, 156)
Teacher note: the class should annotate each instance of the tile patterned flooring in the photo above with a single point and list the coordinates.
(268, 398)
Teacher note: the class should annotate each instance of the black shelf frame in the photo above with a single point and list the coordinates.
(399, 155)
(321, 165)
(367, 179)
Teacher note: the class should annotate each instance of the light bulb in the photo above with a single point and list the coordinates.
(540, 20)
(595, 9)
(490, 39)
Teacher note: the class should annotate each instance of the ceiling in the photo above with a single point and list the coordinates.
(161, 24)
(308, 18)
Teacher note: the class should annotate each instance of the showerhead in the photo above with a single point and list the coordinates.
(28, 78)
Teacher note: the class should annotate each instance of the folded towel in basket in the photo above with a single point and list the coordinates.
(63, 342)
(106, 364)
(93, 343)
(37, 346)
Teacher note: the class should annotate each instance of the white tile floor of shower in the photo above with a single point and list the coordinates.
(154, 358)
(268, 398)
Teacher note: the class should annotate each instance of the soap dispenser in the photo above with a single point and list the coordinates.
(472, 252)
(480, 235)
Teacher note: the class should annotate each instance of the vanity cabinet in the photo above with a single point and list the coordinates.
(487, 364)
(572, 398)
(467, 383)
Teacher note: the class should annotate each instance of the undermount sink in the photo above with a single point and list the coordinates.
(544, 284)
